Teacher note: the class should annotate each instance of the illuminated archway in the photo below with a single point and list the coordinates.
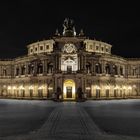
(69, 89)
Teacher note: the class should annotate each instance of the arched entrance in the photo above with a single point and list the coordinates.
(69, 89)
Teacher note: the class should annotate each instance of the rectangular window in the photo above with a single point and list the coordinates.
(41, 48)
(102, 49)
(90, 47)
(106, 49)
(97, 47)
(47, 47)
(69, 69)
(35, 49)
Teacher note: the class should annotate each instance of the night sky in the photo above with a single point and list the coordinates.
(27, 21)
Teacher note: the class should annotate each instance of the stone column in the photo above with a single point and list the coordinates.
(124, 70)
(118, 69)
(85, 63)
(103, 67)
(92, 66)
(59, 59)
(43, 65)
(35, 68)
(111, 69)
(139, 71)
(56, 62)
(20, 70)
(55, 83)
(27, 68)
(79, 62)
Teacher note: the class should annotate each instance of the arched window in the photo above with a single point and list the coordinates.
(121, 70)
(40, 68)
(107, 69)
(134, 71)
(115, 72)
(31, 68)
(4, 72)
(17, 71)
(23, 68)
(88, 67)
(50, 67)
(98, 68)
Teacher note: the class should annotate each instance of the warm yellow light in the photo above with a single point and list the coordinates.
(14, 87)
(107, 87)
(21, 87)
(116, 87)
(87, 88)
(97, 87)
(30, 87)
(69, 83)
(129, 87)
(134, 86)
(124, 87)
(9, 87)
(41, 87)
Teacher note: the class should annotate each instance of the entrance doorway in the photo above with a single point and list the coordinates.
(69, 89)
(69, 92)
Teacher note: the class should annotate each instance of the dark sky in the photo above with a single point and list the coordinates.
(28, 21)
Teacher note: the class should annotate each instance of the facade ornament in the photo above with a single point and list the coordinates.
(68, 27)
(81, 32)
(57, 33)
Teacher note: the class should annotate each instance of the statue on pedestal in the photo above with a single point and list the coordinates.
(69, 29)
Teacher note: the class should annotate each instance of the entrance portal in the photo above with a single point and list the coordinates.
(69, 89)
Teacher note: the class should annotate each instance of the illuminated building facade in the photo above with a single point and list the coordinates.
(66, 65)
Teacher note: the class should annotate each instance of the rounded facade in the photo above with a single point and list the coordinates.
(69, 67)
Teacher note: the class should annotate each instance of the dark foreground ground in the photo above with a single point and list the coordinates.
(90, 120)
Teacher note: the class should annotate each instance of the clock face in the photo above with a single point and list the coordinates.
(69, 48)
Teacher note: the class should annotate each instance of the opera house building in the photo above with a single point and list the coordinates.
(67, 66)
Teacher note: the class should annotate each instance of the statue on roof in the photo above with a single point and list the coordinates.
(69, 29)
